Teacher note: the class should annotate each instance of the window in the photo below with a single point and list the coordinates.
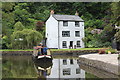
(64, 44)
(79, 79)
(76, 23)
(65, 33)
(78, 71)
(77, 33)
(78, 44)
(65, 23)
(66, 71)
(64, 62)
(71, 61)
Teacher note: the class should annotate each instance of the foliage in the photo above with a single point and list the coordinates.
(110, 50)
(18, 26)
(25, 39)
(39, 26)
(117, 35)
(98, 15)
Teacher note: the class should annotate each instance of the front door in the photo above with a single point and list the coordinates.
(71, 44)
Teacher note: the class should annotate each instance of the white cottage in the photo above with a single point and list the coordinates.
(64, 31)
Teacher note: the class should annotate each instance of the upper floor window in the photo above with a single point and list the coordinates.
(76, 23)
(65, 23)
(65, 33)
(77, 33)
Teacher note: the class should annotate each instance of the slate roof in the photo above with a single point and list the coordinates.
(67, 17)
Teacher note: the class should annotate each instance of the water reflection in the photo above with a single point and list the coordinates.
(18, 67)
(24, 67)
(66, 68)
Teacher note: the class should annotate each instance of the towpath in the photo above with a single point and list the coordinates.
(107, 62)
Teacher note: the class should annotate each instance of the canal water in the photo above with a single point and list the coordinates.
(62, 67)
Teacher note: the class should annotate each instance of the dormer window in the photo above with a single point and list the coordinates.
(65, 23)
(76, 23)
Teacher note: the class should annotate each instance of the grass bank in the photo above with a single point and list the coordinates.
(76, 49)
(51, 49)
(16, 50)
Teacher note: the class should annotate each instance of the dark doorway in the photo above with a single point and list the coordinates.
(71, 44)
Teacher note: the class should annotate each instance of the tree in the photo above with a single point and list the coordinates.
(39, 26)
(25, 39)
(117, 35)
(18, 26)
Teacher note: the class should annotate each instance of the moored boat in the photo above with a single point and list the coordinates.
(39, 57)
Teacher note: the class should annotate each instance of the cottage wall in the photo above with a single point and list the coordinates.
(54, 36)
(52, 32)
(71, 27)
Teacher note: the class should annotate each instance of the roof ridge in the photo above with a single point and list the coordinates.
(67, 17)
(65, 14)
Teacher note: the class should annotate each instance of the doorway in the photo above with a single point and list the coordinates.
(71, 44)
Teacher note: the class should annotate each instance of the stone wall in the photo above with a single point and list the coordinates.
(100, 65)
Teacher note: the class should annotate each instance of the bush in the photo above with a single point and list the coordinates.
(110, 50)
(101, 51)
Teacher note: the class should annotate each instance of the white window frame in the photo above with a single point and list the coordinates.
(77, 24)
(64, 44)
(78, 45)
(64, 61)
(65, 23)
(77, 34)
(65, 33)
(67, 71)
(78, 70)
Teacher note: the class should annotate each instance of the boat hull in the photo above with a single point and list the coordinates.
(43, 58)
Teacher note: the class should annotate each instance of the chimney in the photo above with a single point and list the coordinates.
(51, 12)
(76, 13)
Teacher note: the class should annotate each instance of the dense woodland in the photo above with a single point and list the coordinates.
(23, 24)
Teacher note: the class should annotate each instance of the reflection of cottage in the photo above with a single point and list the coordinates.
(64, 31)
(66, 68)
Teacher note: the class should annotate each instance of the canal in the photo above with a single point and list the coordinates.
(62, 67)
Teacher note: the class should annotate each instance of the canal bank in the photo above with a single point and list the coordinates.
(57, 52)
(105, 62)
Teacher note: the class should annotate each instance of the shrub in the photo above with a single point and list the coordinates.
(101, 51)
(110, 50)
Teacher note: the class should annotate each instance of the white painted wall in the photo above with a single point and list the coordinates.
(52, 32)
(71, 27)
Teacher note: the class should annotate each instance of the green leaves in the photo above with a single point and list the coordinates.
(18, 26)
(25, 39)
(117, 36)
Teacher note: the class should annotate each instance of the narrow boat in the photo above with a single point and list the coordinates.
(40, 57)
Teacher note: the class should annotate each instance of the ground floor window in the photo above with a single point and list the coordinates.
(64, 44)
(78, 44)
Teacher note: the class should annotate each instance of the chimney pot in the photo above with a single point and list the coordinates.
(52, 12)
(76, 13)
